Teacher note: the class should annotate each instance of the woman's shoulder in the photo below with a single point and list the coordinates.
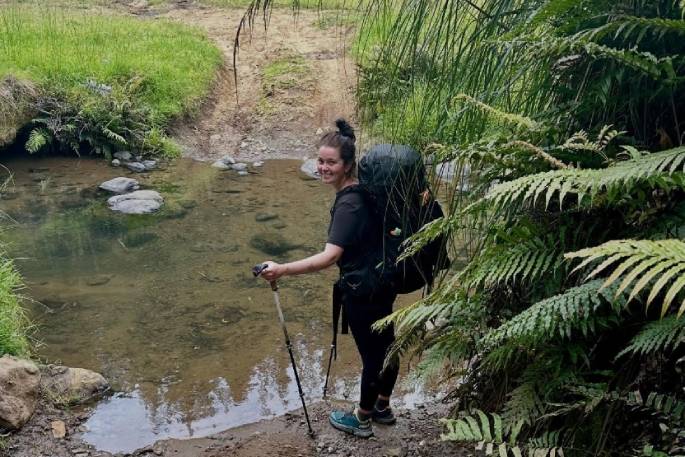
(351, 195)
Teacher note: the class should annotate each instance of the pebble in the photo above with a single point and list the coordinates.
(243, 173)
(116, 162)
(258, 164)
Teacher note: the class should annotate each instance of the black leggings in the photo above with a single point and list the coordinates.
(373, 346)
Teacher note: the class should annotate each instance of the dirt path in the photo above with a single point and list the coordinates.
(293, 80)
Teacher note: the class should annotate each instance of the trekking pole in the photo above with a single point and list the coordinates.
(334, 346)
(256, 271)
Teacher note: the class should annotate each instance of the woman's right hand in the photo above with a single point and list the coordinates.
(273, 271)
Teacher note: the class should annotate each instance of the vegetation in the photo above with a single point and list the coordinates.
(14, 326)
(102, 83)
(563, 121)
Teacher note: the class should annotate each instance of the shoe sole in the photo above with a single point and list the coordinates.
(384, 421)
(351, 430)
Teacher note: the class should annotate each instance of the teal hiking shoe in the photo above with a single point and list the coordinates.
(385, 417)
(350, 423)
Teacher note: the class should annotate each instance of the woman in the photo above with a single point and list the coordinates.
(348, 233)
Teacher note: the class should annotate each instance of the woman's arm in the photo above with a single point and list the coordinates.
(325, 259)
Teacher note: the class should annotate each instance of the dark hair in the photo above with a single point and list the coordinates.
(342, 140)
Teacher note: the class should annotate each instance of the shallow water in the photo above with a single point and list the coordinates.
(165, 305)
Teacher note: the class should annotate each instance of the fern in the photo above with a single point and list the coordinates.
(488, 434)
(560, 183)
(508, 118)
(38, 138)
(640, 262)
(522, 261)
(658, 336)
(557, 316)
(626, 26)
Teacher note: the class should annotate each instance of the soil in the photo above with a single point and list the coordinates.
(266, 117)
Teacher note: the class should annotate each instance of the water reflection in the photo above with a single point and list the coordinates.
(165, 305)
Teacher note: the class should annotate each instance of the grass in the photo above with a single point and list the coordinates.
(104, 82)
(14, 325)
(67, 49)
(303, 4)
(285, 72)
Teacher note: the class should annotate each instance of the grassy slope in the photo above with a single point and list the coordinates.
(65, 49)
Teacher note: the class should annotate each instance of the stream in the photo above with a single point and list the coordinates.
(165, 305)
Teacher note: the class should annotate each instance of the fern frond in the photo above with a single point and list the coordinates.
(658, 336)
(524, 405)
(38, 138)
(509, 118)
(627, 26)
(521, 261)
(559, 183)
(557, 316)
(641, 261)
(488, 434)
(114, 136)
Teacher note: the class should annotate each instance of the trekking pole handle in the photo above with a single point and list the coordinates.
(259, 269)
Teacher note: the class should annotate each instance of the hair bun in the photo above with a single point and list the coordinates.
(345, 129)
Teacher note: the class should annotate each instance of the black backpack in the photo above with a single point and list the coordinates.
(392, 179)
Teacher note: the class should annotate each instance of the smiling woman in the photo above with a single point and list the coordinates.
(106, 68)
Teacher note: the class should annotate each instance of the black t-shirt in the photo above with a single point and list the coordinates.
(349, 227)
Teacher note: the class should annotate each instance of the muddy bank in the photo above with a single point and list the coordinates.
(417, 433)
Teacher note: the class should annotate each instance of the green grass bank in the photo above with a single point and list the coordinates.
(14, 325)
(103, 82)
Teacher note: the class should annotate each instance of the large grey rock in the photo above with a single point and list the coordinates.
(19, 390)
(69, 386)
(120, 185)
(138, 202)
(309, 169)
(221, 165)
(224, 163)
(150, 164)
(239, 166)
(136, 166)
(123, 155)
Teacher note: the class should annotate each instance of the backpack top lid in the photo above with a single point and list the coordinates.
(394, 176)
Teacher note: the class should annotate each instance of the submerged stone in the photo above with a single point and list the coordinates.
(120, 185)
(272, 244)
(138, 202)
(263, 217)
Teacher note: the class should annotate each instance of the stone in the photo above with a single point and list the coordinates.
(221, 165)
(116, 163)
(19, 391)
(319, 131)
(258, 164)
(239, 166)
(138, 202)
(120, 185)
(309, 169)
(215, 137)
(136, 166)
(150, 164)
(123, 155)
(394, 452)
(59, 429)
(272, 244)
(71, 385)
(263, 217)
(98, 280)
(243, 173)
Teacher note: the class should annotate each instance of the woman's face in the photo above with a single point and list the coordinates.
(331, 167)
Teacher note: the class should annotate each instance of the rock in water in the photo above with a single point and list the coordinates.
(272, 244)
(136, 166)
(150, 164)
(72, 385)
(123, 155)
(19, 390)
(221, 165)
(120, 185)
(138, 202)
(239, 166)
(309, 169)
